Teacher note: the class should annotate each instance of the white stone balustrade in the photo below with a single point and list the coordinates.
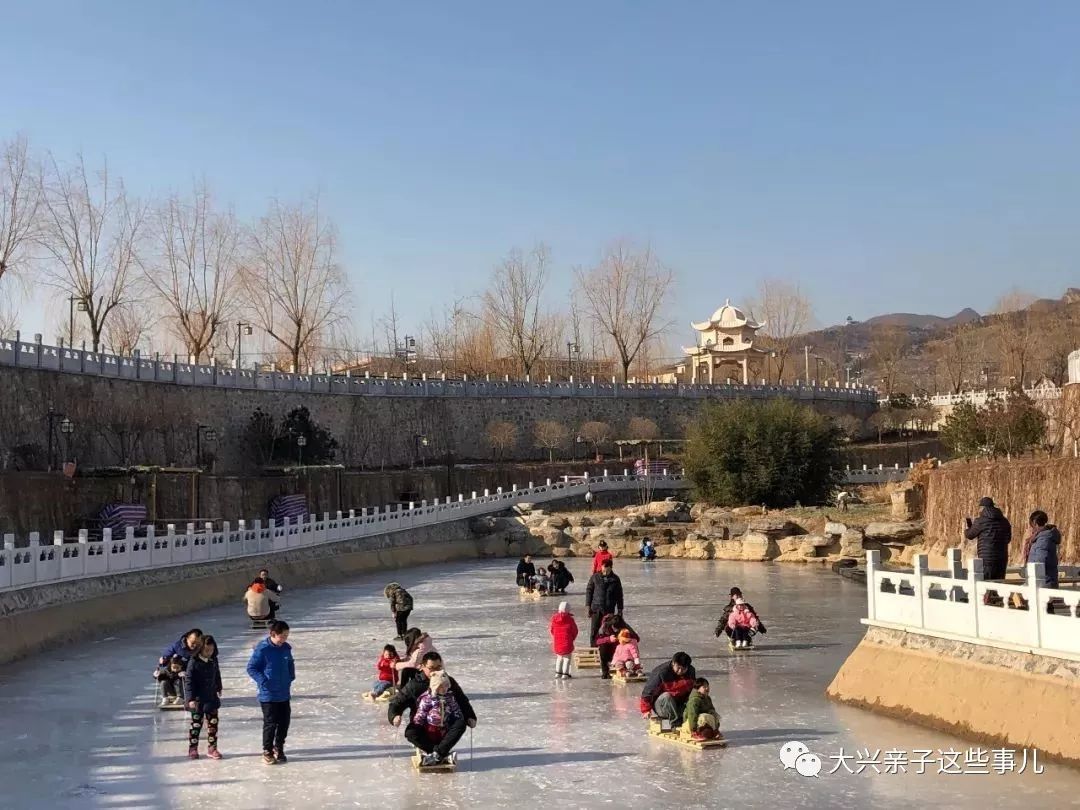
(16, 352)
(952, 604)
(38, 564)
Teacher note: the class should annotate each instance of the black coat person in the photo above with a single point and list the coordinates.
(992, 532)
(407, 699)
(603, 595)
(525, 572)
(560, 576)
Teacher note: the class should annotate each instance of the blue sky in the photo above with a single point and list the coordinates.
(913, 157)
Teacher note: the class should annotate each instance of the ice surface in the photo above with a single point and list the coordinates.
(79, 728)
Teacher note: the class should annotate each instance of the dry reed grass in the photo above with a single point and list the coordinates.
(1018, 488)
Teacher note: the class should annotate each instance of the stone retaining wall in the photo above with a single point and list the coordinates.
(990, 695)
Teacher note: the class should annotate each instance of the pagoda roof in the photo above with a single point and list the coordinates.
(727, 317)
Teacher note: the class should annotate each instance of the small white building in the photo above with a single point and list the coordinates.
(726, 339)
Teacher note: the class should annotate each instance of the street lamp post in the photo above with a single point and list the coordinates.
(72, 300)
(300, 442)
(579, 441)
(202, 432)
(242, 328)
(572, 348)
(67, 427)
(419, 441)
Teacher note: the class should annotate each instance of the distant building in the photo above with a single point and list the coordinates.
(725, 343)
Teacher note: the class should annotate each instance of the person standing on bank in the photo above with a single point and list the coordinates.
(603, 595)
(401, 605)
(993, 532)
(1044, 541)
(588, 499)
(273, 670)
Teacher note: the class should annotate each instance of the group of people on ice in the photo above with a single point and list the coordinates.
(439, 710)
(554, 579)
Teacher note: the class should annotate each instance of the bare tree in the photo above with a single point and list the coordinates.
(786, 312)
(889, 345)
(512, 306)
(960, 354)
(1018, 335)
(642, 429)
(625, 295)
(127, 327)
(294, 285)
(197, 268)
(92, 230)
(502, 436)
(550, 435)
(597, 434)
(20, 203)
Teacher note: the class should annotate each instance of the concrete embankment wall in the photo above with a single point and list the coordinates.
(126, 421)
(994, 696)
(37, 618)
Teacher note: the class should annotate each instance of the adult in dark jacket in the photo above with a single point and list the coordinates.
(204, 697)
(607, 640)
(184, 647)
(525, 571)
(409, 695)
(668, 688)
(722, 625)
(401, 605)
(560, 576)
(1046, 537)
(603, 595)
(992, 531)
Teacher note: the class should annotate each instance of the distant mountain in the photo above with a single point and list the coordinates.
(908, 320)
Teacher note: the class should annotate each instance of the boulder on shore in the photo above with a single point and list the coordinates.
(901, 532)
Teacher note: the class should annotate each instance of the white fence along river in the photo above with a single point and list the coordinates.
(954, 604)
(38, 563)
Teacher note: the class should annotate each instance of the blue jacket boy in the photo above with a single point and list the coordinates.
(272, 668)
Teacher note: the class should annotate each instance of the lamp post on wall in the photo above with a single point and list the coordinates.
(579, 441)
(572, 348)
(203, 432)
(67, 427)
(242, 328)
(72, 301)
(300, 442)
(419, 441)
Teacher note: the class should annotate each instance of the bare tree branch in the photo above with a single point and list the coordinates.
(786, 313)
(20, 204)
(92, 230)
(294, 285)
(196, 270)
(512, 306)
(625, 295)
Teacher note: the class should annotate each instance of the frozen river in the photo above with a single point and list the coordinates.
(79, 728)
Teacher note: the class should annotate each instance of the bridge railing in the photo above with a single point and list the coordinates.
(41, 562)
(73, 360)
(958, 604)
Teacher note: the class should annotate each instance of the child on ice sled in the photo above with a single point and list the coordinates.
(743, 623)
(386, 672)
(701, 720)
(436, 711)
(627, 659)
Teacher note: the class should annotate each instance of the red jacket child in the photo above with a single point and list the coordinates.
(599, 557)
(563, 630)
(385, 666)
